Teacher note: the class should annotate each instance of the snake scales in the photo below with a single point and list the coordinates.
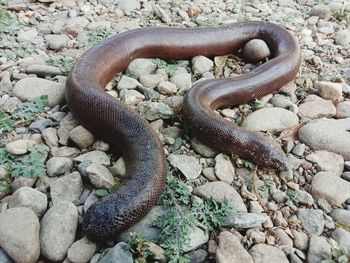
(120, 126)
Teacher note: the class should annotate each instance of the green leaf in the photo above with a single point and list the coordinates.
(101, 192)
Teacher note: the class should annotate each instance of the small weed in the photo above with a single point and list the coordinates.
(105, 192)
(139, 247)
(98, 35)
(170, 66)
(339, 255)
(5, 186)
(64, 64)
(341, 14)
(256, 104)
(5, 21)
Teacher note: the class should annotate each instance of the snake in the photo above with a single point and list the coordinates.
(131, 135)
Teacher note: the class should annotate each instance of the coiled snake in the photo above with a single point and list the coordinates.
(120, 126)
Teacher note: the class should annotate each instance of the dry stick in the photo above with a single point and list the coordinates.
(256, 188)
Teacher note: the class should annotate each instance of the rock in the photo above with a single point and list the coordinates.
(75, 25)
(319, 250)
(82, 137)
(151, 80)
(197, 256)
(119, 253)
(50, 137)
(188, 165)
(283, 239)
(197, 237)
(155, 110)
(27, 36)
(255, 235)
(341, 216)
(32, 87)
(30, 198)
(220, 190)
(141, 66)
(299, 149)
(262, 253)
(4, 258)
(129, 5)
(64, 151)
(128, 83)
(270, 119)
(312, 220)
(203, 149)
(183, 82)
(161, 13)
(320, 10)
(81, 251)
(57, 232)
(201, 64)
(304, 198)
(22, 181)
(327, 161)
(67, 123)
(145, 227)
(19, 147)
(245, 220)
(43, 70)
(5, 82)
(19, 234)
(56, 42)
(342, 37)
(343, 110)
(281, 101)
(342, 237)
(40, 125)
(327, 134)
(131, 97)
(58, 166)
(119, 168)
(230, 249)
(332, 188)
(67, 188)
(224, 169)
(317, 109)
(158, 253)
(256, 50)
(329, 90)
(100, 176)
(300, 240)
(94, 157)
(166, 87)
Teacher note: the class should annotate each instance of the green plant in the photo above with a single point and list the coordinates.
(256, 104)
(29, 165)
(341, 14)
(5, 186)
(105, 192)
(170, 66)
(139, 247)
(5, 20)
(27, 113)
(98, 35)
(64, 64)
(339, 255)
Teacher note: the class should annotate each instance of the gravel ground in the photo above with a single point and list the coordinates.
(52, 169)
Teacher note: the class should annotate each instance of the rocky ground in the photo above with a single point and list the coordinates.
(52, 169)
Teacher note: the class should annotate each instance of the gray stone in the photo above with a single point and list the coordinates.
(197, 237)
(131, 97)
(220, 190)
(19, 234)
(270, 119)
(81, 136)
(317, 109)
(94, 157)
(304, 198)
(30, 198)
(327, 134)
(262, 253)
(320, 10)
(56, 42)
(119, 168)
(203, 149)
(327, 161)
(312, 220)
(4, 258)
(256, 50)
(64, 151)
(100, 176)
(342, 237)
(40, 125)
(5, 82)
(119, 253)
(67, 123)
(57, 232)
(129, 5)
(155, 110)
(224, 169)
(128, 83)
(58, 166)
(19, 147)
(144, 227)
(50, 137)
(342, 37)
(343, 110)
(32, 87)
(183, 82)
(230, 249)
(319, 250)
(283, 239)
(161, 13)
(151, 80)
(43, 70)
(329, 90)
(81, 251)
(281, 101)
(67, 188)
(341, 216)
(75, 25)
(141, 66)
(245, 220)
(300, 240)
(330, 187)
(188, 165)
(201, 64)
(27, 36)
(166, 87)
(299, 149)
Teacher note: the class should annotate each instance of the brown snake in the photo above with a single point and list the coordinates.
(124, 129)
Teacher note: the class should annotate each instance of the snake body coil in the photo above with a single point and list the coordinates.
(113, 122)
